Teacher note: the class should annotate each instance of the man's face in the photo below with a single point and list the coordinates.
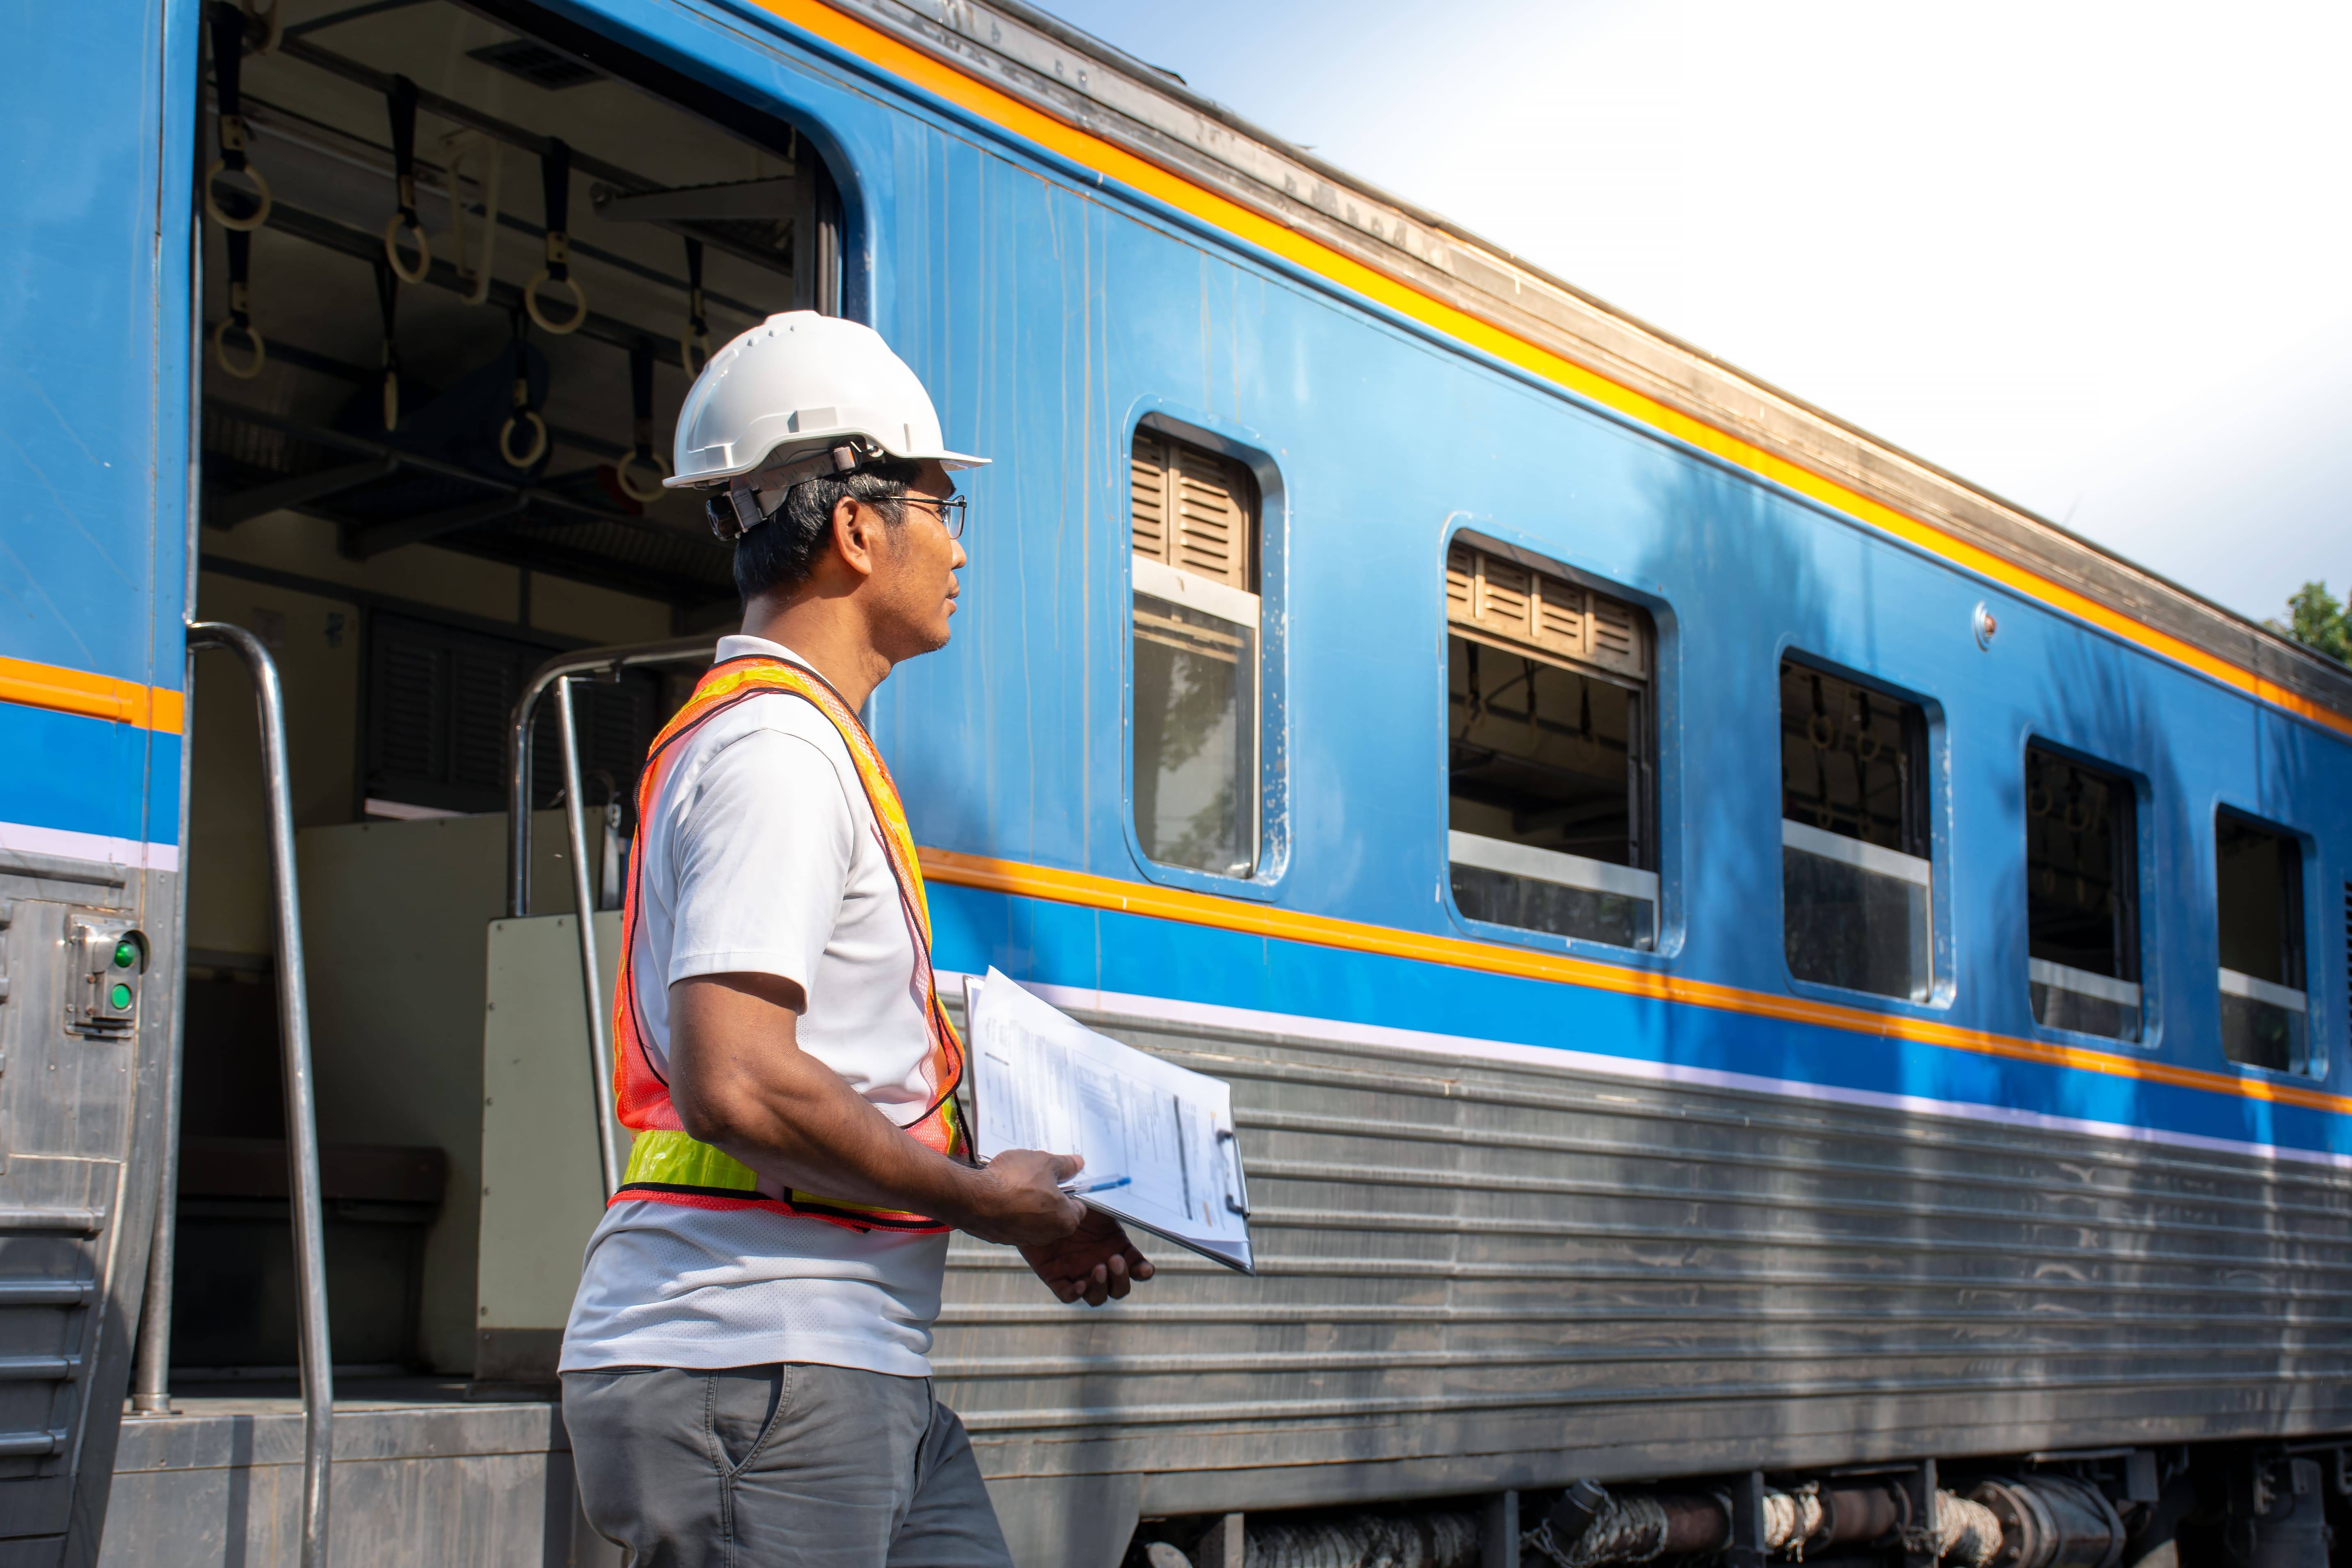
(914, 567)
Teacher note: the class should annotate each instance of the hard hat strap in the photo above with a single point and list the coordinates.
(747, 493)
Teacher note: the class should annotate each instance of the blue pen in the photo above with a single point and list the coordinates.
(1097, 1188)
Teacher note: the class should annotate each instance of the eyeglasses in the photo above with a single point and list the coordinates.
(950, 510)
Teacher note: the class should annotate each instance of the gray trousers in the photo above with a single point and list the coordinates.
(790, 1465)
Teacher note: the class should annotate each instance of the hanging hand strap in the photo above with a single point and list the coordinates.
(228, 62)
(524, 418)
(694, 348)
(387, 302)
(401, 99)
(240, 312)
(555, 180)
(641, 409)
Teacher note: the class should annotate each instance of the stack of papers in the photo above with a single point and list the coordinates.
(1158, 1140)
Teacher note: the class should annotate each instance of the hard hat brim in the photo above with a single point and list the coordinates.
(948, 460)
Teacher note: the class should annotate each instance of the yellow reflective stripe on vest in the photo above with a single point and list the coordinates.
(674, 1160)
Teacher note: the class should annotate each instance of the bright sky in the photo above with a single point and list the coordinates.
(2096, 258)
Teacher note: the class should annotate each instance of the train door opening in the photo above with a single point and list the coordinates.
(460, 263)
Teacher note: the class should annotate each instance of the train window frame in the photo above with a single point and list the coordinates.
(1923, 862)
(2307, 1059)
(2128, 848)
(1248, 453)
(1644, 676)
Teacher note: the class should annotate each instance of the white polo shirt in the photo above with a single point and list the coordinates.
(761, 854)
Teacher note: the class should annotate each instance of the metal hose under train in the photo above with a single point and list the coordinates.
(1367, 1541)
(2033, 1522)
(2036, 1521)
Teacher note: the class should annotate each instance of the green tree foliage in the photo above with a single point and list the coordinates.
(2319, 622)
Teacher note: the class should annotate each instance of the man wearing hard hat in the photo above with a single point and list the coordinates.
(745, 1374)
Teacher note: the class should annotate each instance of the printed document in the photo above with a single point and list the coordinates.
(1158, 1140)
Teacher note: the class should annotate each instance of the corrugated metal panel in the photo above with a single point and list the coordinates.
(1482, 1275)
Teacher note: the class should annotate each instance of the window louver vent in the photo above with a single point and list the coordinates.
(1509, 604)
(440, 698)
(1192, 510)
(537, 64)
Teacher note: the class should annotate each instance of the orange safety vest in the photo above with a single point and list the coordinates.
(665, 1166)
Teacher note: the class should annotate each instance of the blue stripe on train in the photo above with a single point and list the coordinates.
(79, 774)
(1062, 944)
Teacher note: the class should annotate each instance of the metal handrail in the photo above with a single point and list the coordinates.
(605, 663)
(609, 1156)
(301, 1108)
(151, 1374)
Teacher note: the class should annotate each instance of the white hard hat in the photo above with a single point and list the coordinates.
(796, 388)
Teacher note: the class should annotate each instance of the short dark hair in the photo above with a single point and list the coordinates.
(782, 553)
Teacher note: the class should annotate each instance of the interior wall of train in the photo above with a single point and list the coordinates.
(442, 361)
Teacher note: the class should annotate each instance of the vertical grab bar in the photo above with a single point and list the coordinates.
(600, 1046)
(301, 1112)
(151, 1377)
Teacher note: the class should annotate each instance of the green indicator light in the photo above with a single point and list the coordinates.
(126, 953)
(120, 996)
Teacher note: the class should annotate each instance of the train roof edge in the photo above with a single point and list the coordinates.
(1015, 48)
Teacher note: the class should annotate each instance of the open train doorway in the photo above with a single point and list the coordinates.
(460, 266)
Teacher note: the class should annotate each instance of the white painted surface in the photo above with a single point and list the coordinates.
(1548, 866)
(1855, 852)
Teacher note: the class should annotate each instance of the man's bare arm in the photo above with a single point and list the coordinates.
(741, 1083)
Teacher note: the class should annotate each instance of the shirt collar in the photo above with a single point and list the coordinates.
(741, 645)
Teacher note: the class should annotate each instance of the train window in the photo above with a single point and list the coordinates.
(2265, 1015)
(1195, 518)
(1548, 754)
(1854, 868)
(2082, 898)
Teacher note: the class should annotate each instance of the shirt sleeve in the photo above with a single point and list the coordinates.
(763, 854)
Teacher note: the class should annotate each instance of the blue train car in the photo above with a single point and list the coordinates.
(1778, 1004)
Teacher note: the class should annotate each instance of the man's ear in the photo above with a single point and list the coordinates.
(854, 530)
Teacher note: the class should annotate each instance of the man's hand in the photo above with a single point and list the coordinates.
(1096, 1262)
(741, 1082)
(1017, 1200)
